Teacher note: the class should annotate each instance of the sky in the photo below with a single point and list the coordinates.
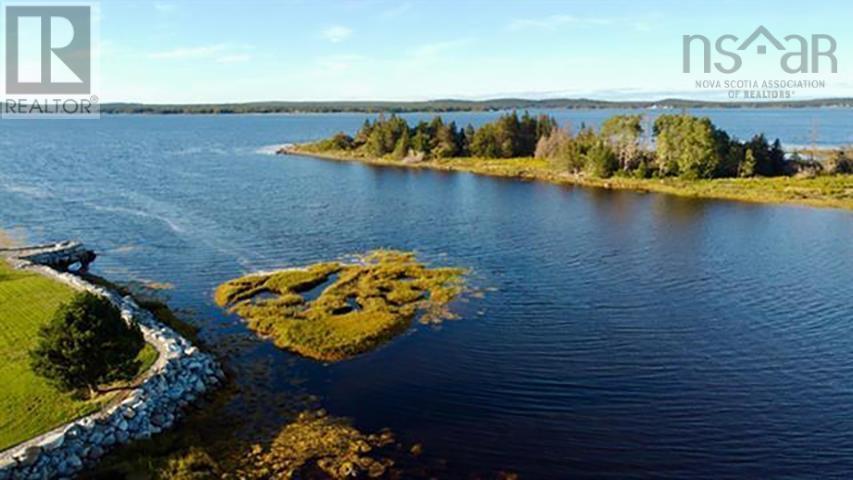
(172, 51)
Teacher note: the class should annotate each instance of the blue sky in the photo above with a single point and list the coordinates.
(216, 51)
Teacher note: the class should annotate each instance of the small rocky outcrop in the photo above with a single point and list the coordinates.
(286, 149)
(58, 256)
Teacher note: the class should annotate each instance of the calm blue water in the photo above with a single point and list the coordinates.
(623, 335)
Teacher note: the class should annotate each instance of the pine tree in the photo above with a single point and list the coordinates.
(403, 145)
(777, 158)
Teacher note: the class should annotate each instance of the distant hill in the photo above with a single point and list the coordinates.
(449, 105)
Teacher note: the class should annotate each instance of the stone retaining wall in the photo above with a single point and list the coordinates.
(178, 377)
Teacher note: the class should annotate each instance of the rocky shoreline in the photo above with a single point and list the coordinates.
(181, 374)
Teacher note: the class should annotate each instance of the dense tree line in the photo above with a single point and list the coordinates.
(679, 145)
(509, 136)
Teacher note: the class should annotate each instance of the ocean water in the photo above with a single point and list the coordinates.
(621, 334)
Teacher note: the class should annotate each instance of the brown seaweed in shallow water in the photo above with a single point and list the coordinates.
(318, 441)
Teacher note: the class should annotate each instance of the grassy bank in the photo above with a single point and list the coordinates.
(835, 191)
(29, 406)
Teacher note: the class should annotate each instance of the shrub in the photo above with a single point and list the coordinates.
(840, 163)
(342, 141)
(87, 344)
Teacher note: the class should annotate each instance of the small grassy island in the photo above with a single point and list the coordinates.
(677, 154)
(357, 306)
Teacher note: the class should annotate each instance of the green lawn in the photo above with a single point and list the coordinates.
(28, 404)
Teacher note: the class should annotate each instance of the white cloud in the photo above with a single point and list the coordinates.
(336, 33)
(552, 22)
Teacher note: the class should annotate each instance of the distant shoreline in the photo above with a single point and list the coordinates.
(445, 106)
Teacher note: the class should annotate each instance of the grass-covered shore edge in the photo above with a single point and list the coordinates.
(28, 409)
(822, 191)
(180, 375)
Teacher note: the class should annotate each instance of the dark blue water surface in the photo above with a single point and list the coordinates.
(622, 334)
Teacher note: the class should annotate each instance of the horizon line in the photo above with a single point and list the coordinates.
(494, 99)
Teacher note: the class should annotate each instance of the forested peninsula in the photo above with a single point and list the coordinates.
(678, 154)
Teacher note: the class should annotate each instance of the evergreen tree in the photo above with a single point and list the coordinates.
(545, 125)
(403, 145)
(600, 161)
(528, 135)
(763, 159)
(363, 133)
(86, 344)
(747, 167)
(777, 158)
(421, 141)
(487, 142)
(444, 140)
(467, 137)
(686, 146)
(730, 153)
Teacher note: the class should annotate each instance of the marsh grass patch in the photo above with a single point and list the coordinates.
(331, 311)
